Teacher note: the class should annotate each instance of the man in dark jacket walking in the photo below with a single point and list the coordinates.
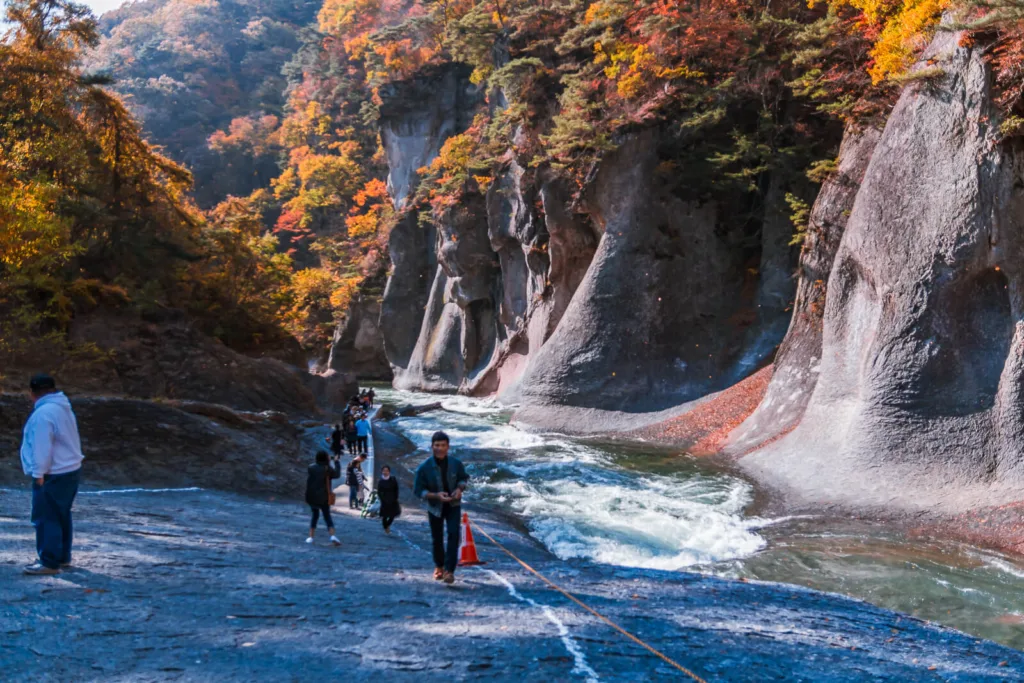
(441, 481)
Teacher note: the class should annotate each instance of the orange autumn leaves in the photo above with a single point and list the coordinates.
(900, 28)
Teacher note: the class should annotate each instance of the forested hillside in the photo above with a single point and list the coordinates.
(98, 225)
(269, 115)
(189, 68)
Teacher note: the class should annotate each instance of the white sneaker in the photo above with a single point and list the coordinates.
(309, 540)
(335, 541)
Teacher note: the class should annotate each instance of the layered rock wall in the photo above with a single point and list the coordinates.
(601, 304)
(918, 400)
(797, 363)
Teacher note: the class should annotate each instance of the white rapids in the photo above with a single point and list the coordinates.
(578, 502)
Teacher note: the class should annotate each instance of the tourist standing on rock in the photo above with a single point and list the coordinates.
(440, 481)
(51, 453)
(319, 492)
(354, 477)
(371, 395)
(387, 492)
(351, 436)
(335, 441)
(363, 433)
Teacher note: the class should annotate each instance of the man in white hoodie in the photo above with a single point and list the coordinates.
(51, 453)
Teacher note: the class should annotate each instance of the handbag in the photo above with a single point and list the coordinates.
(331, 498)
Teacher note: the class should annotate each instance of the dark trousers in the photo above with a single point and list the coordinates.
(51, 516)
(353, 496)
(449, 518)
(387, 521)
(351, 443)
(317, 509)
(362, 443)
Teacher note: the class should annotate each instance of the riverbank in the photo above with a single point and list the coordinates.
(187, 585)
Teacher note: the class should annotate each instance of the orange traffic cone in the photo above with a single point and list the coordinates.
(467, 547)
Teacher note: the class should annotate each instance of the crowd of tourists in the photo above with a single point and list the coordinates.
(440, 482)
(51, 454)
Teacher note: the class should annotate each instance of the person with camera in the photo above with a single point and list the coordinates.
(440, 481)
(320, 492)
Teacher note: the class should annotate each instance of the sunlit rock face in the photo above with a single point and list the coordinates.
(475, 291)
(920, 377)
(634, 294)
(797, 364)
(670, 308)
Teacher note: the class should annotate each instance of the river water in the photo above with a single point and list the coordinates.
(637, 506)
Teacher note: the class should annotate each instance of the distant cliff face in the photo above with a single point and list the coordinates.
(920, 372)
(637, 297)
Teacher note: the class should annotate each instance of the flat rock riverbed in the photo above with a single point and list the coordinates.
(210, 586)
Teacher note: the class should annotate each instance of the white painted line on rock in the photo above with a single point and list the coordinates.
(370, 455)
(109, 491)
(580, 666)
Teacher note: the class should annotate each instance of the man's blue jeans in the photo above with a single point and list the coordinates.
(51, 516)
(353, 496)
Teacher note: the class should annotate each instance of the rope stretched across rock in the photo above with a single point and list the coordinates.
(593, 611)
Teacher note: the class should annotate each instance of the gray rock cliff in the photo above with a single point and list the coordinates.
(918, 401)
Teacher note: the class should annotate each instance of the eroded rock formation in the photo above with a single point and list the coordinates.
(919, 392)
(572, 307)
(645, 332)
(475, 292)
(797, 363)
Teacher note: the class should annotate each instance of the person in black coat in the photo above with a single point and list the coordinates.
(318, 488)
(387, 492)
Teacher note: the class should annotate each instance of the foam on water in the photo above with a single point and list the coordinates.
(579, 503)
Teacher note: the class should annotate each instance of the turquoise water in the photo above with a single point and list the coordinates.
(636, 506)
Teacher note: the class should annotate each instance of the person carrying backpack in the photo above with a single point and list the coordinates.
(320, 493)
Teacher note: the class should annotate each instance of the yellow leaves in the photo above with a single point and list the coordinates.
(286, 185)
(635, 67)
(344, 17)
(905, 27)
(602, 11)
(31, 232)
(455, 155)
(904, 36)
(483, 182)
(341, 297)
(362, 225)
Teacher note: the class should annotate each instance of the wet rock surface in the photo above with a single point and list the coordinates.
(213, 586)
